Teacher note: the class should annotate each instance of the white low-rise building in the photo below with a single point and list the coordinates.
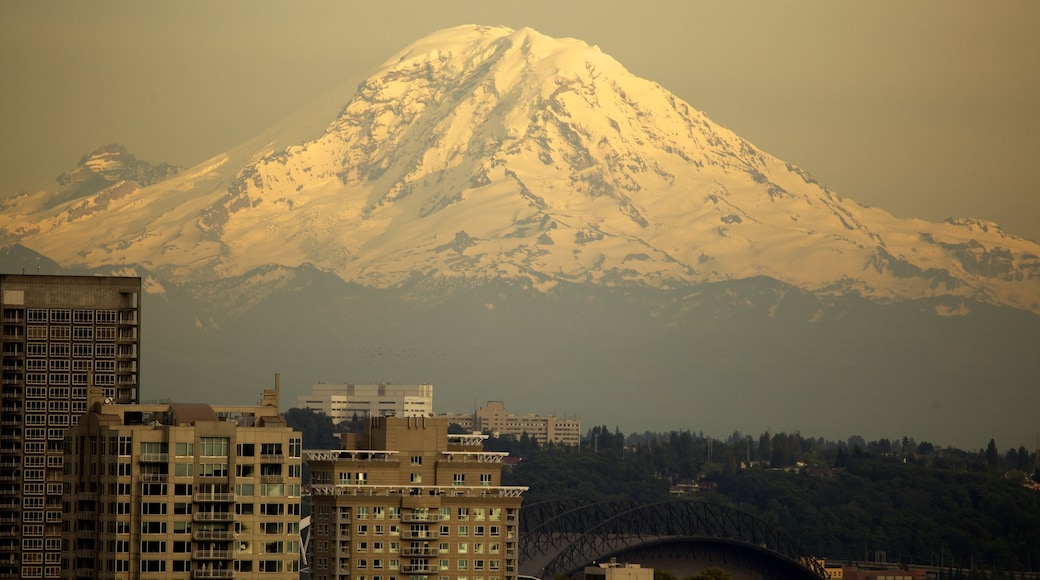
(345, 401)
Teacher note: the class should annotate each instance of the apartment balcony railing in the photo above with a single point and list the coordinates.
(154, 457)
(419, 552)
(213, 516)
(419, 534)
(416, 569)
(206, 574)
(212, 554)
(214, 535)
(204, 497)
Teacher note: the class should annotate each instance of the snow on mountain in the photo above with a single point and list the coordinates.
(483, 152)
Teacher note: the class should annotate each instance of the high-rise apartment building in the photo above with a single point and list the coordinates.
(493, 418)
(61, 334)
(405, 500)
(182, 491)
(344, 402)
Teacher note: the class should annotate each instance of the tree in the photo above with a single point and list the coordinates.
(314, 426)
(992, 455)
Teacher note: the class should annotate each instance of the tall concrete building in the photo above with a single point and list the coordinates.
(493, 418)
(61, 334)
(404, 500)
(343, 402)
(178, 491)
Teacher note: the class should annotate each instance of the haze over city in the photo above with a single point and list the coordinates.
(922, 111)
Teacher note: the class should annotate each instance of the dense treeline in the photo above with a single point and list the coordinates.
(915, 502)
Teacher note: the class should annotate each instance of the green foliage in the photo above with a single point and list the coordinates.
(315, 428)
(843, 501)
(712, 574)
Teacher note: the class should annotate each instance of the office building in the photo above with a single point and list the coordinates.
(179, 491)
(61, 334)
(344, 402)
(404, 500)
(494, 419)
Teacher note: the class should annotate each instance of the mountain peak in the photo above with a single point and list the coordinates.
(483, 152)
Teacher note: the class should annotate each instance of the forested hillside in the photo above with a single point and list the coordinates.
(915, 502)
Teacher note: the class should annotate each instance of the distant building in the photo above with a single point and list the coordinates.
(493, 418)
(615, 570)
(405, 500)
(345, 401)
(181, 491)
(61, 334)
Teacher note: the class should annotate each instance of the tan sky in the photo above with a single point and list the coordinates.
(929, 108)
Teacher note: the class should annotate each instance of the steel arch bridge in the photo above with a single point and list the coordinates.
(563, 537)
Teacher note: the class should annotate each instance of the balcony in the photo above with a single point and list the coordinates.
(204, 574)
(417, 569)
(419, 552)
(214, 497)
(212, 554)
(419, 534)
(154, 477)
(420, 518)
(272, 479)
(154, 457)
(213, 516)
(213, 535)
(272, 458)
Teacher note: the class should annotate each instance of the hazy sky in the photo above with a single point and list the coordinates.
(927, 108)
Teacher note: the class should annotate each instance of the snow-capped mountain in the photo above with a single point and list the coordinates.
(484, 153)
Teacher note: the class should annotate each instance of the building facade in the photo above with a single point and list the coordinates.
(181, 491)
(404, 500)
(61, 334)
(343, 402)
(493, 418)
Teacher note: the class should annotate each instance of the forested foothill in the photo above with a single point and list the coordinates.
(915, 502)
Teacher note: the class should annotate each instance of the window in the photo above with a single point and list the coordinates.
(153, 508)
(106, 316)
(458, 479)
(463, 514)
(38, 315)
(82, 333)
(184, 469)
(213, 447)
(60, 333)
(463, 531)
(415, 478)
(485, 479)
(60, 316)
(126, 446)
(83, 316)
(59, 349)
(295, 447)
(213, 469)
(185, 449)
(416, 460)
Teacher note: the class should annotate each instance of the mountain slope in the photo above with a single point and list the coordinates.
(481, 153)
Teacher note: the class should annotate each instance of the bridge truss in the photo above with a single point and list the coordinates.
(562, 537)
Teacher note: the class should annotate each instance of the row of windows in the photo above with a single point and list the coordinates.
(77, 350)
(66, 315)
(461, 531)
(53, 406)
(462, 514)
(38, 433)
(64, 364)
(55, 393)
(101, 379)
